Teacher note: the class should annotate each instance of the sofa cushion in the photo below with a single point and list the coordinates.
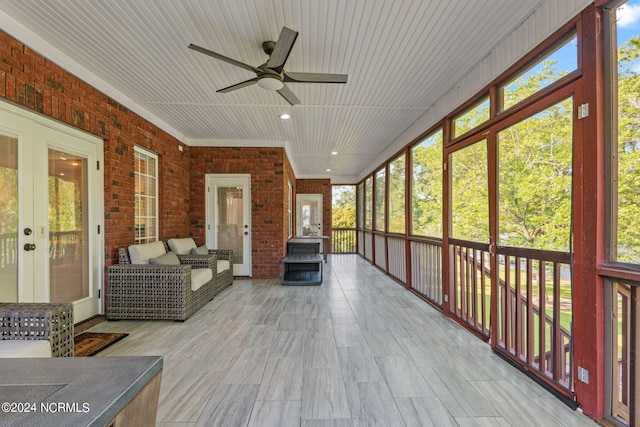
(25, 348)
(223, 265)
(200, 250)
(140, 254)
(200, 277)
(181, 246)
(167, 259)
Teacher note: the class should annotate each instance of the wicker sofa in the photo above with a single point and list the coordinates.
(224, 260)
(139, 290)
(36, 330)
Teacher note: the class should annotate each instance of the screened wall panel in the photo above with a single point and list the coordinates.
(381, 252)
(397, 259)
(426, 270)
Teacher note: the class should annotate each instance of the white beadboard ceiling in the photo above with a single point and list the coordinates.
(401, 57)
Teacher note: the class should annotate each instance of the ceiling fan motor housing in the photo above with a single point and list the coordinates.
(268, 47)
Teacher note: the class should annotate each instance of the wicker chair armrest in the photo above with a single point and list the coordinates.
(223, 254)
(200, 261)
(139, 270)
(39, 321)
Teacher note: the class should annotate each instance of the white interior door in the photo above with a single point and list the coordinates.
(229, 217)
(309, 214)
(50, 210)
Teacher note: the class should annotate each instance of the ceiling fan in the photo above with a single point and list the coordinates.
(271, 74)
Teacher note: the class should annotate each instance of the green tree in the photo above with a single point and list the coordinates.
(396, 195)
(469, 193)
(535, 168)
(343, 216)
(8, 200)
(379, 183)
(628, 191)
(344, 206)
(426, 186)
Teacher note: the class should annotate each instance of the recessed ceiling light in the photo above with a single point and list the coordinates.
(334, 152)
(284, 116)
(328, 170)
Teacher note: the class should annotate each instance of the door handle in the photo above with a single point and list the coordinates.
(246, 233)
(29, 247)
(492, 249)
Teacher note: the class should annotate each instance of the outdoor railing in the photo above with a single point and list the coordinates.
(343, 240)
(8, 250)
(534, 310)
(62, 244)
(470, 298)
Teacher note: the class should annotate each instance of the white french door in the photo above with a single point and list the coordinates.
(50, 211)
(228, 211)
(309, 214)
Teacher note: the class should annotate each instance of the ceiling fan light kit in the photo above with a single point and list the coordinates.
(270, 82)
(271, 74)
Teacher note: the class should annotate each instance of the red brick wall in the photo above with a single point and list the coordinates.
(30, 80)
(319, 186)
(268, 199)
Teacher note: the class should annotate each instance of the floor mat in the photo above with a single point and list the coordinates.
(91, 343)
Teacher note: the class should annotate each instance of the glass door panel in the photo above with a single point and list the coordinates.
(68, 251)
(230, 220)
(228, 212)
(8, 219)
(51, 210)
(469, 238)
(309, 214)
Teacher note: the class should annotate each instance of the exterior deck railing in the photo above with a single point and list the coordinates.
(535, 312)
(62, 244)
(343, 240)
(533, 304)
(470, 296)
(8, 250)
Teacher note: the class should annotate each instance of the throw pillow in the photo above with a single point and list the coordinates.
(167, 259)
(201, 250)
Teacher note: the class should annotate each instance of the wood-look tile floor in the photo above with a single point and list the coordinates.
(359, 350)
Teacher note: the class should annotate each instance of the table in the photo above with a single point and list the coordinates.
(302, 269)
(325, 243)
(82, 391)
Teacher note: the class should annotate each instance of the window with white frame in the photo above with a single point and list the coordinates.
(146, 198)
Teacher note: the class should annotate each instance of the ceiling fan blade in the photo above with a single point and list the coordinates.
(293, 77)
(286, 93)
(238, 85)
(281, 52)
(225, 58)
